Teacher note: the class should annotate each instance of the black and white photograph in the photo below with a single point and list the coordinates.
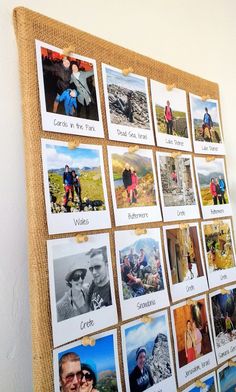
(88, 368)
(206, 126)
(133, 186)
(184, 259)
(147, 355)
(81, 287)
(177, 187)
(212, 187)
(69, 94)
(74, 187)
(223, 313)
(170, 117)
(141, 274)
(127, 106)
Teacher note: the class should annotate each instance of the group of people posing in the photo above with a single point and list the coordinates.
(138, 275)
(76, 376)
(130, 181)
(71, 85)
(217, 189)
(84, 297)
(193, 341)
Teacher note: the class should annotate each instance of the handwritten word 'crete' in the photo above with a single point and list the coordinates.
(86, 324)
(180, 213)
(190, 288)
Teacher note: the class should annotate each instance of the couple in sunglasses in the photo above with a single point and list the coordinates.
(83, 297)
(76, 376)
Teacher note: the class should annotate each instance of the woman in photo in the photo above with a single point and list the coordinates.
(198, 340)
(190, 344)
(141, 377)
(132, 189)
(76, 184)
(84, 97)
(88, 379)
(75, 300)
(213, 191)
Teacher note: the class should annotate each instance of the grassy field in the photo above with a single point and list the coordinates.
(91, 186)
(207, 197)
(162, 124)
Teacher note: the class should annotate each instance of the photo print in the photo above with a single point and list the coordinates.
(170, 117)
(227, 376)
(184, 259)
(223, 312)
(192, 339)
(74, 187)
(206, 126)
(209, 384)
(147, 355)
(81, 287)
(141, 275)
(219, 252)
(83, 368)
(133, 186)
(212, 187)
(177, 187)
(68, 89)
(127, 107)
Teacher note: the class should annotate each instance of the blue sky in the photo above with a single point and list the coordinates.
(130, 82)
(209, 382)
(140, 334)
(198, 109)
(100, 357)
(59, 156)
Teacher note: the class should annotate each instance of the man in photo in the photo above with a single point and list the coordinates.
(168, 119)
(222, 188)
(70, 372)
(99, 291)
(68, 186)
(127, 180)
(125, 107)
(141, 377)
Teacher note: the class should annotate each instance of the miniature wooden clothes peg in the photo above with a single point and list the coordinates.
(205, 97)
(88, 341)
(146, 319)
(170, 87)
(80, 238)
(127, 71)
(73, 145)
(68, 51)
(140, 231)
(133, 148)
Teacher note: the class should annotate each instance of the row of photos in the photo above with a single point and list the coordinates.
(80, 274)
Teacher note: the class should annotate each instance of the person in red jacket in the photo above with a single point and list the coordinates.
(213, 191)
(132, 189)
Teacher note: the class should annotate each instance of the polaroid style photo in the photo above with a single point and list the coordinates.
(206, 126)
(219, 252)
(141, 275)
(69, 94)
(88, 368)
(177, 187)
(205, 384)
(74, 187)
(147, 355)
(170, 117)
(192, 339)
(184, 259)
(223, 313)
(212, 187)
(127, 107)
(81, 287)
(133, 186)
(226, 376)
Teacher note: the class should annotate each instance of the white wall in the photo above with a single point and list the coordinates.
(196, 36)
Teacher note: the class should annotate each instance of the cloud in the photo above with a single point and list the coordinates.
(58, 160)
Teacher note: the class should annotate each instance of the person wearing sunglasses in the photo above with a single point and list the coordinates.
(75, 300)
(99, 291)
(88, 379)
(70, 372)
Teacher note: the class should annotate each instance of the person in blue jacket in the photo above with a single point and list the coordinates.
(70, 103)
(141, 377)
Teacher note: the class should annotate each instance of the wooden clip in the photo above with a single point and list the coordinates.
(191, 302)
(133, 148)
(183, 226)
(127, 71)
(170, 87)
(224, 291)
(73, 145)
(88, 341)
(218, 222)
(140, 231)
(210, 158)
(81, 238)
(231, 363)
(68, 51)
(146, 319)
(175, 154)
(200, 384)
(205, 97)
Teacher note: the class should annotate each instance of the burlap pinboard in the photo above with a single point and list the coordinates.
(29, 26)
